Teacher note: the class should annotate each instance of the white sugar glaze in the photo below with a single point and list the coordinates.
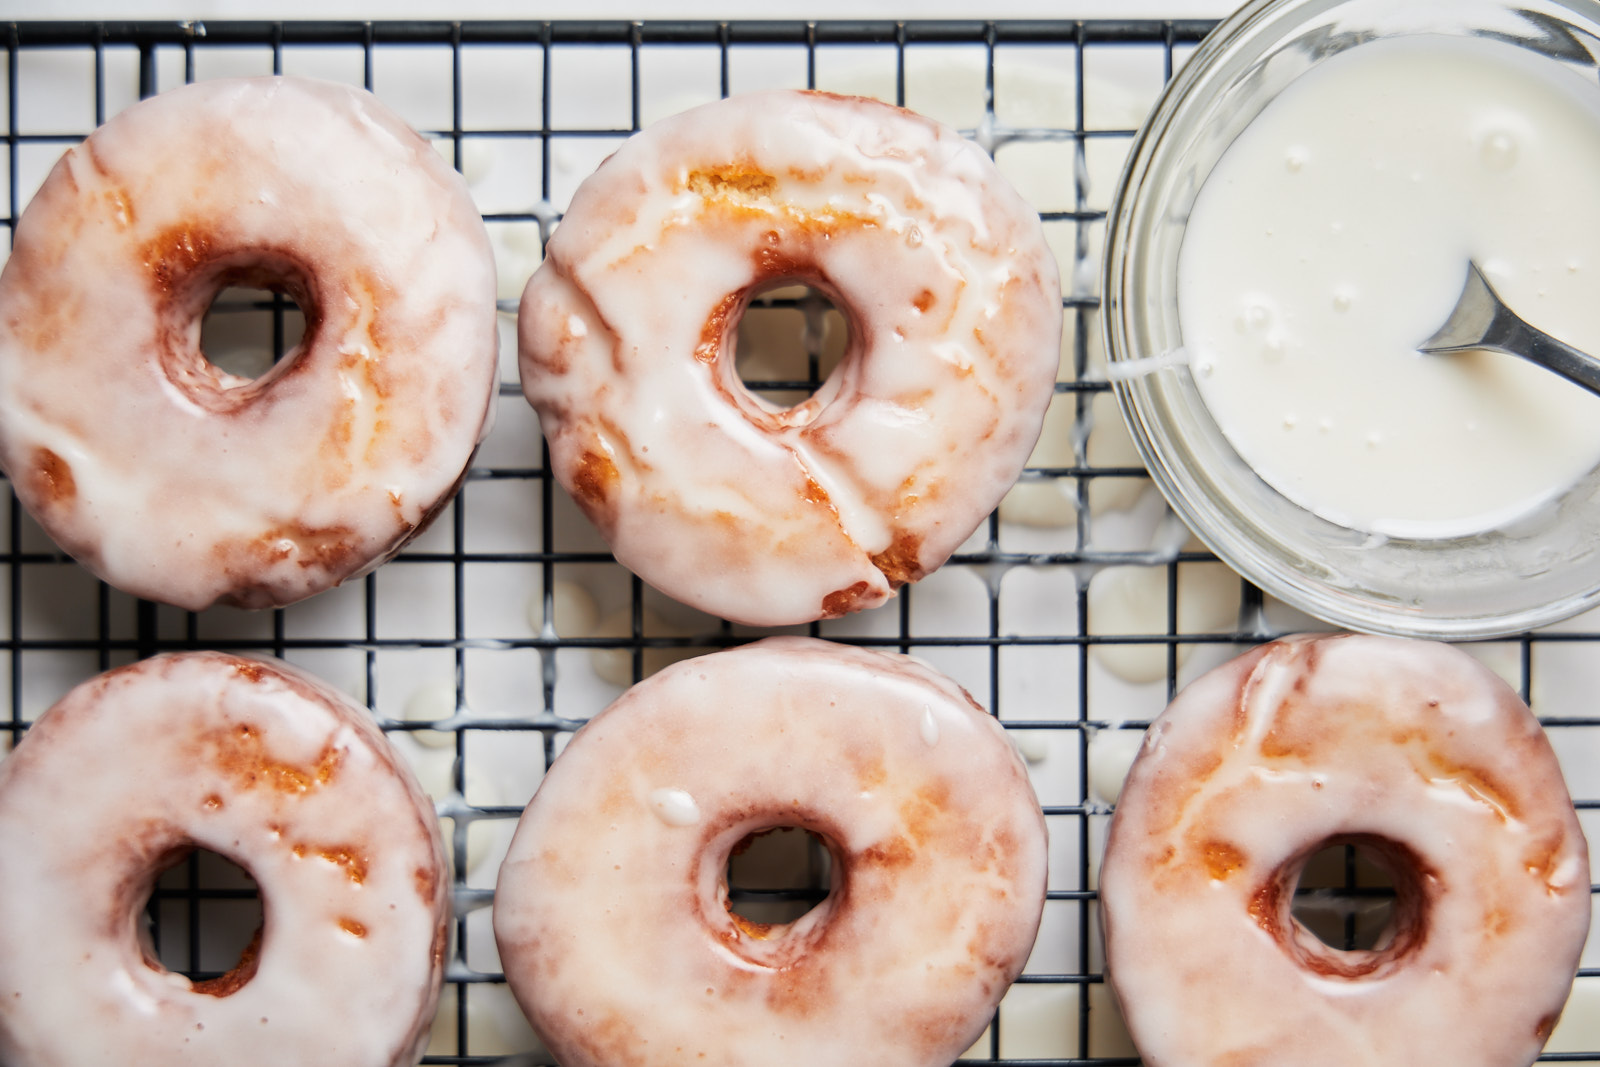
(1413, 746)
(1333, 238)
(612, 921)
(759, 514)
(268, 767)
(176, 481)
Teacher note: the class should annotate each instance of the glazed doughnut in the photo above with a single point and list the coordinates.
(1410, 749)
(612, 914)
(729, 503)
(278, 773)
(176, 481)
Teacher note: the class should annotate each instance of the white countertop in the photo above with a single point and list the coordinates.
(611, 9)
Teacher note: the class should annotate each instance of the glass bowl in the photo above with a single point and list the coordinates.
(1542, 568)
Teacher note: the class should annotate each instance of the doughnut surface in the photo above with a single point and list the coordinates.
(273, 770)
(719, 498)
(1410, 748)
(611, 912)
(176, 481)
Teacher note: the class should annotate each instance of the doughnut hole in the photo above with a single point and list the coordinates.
(787, 343)
(775, 876)
(203, 918)
(246, 331)
(1357, 906)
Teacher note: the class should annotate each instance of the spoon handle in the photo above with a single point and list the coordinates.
(1508, 333)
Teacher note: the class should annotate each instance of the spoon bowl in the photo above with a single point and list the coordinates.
(1481, 321)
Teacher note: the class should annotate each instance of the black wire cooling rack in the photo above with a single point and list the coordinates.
(62, 627)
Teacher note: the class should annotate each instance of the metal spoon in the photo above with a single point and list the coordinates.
(1481, 321)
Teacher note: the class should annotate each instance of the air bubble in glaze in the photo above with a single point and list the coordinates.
(674, 807)
(1499, 150)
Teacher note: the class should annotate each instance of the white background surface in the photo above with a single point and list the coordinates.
(612, 9)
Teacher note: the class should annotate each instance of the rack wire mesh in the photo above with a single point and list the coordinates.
(1047, 620)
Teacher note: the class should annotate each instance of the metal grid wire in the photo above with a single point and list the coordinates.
(99, 628)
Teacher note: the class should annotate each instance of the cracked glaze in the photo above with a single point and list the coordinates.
(611, 912)
(1411, 748)
(277, 772)
(773, 516)
(174, 480)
